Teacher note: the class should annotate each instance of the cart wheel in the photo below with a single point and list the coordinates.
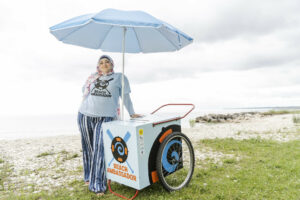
(175, 161)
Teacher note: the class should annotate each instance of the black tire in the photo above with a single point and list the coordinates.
(172, 169)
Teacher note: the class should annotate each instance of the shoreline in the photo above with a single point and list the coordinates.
(30, 127)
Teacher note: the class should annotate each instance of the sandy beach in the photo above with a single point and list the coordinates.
(47, 163)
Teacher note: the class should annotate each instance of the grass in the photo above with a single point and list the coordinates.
(192, 122)
(265, 170)
(25, 172)
(296, 119)
(281, 112)
(65, 155)
(45, 154)
(5, 171)
(61, 157)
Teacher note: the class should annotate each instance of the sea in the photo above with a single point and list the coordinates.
(19, 127)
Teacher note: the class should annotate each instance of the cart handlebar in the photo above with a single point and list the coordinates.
(174, 104)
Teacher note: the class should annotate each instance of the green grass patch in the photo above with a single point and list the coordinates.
(63, 156)
(5, 171)
(281, 112)
(25, 172)
(68, 156)
(230, 161)
(192, 122)
(64, 152)
(74, 155)
(265, 170)
(45, 154)
(296, 119)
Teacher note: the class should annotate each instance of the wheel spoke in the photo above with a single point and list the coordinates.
(180, 158)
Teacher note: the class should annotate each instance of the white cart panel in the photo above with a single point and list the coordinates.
(127, 145)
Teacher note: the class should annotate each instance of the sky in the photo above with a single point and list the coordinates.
(244, 54)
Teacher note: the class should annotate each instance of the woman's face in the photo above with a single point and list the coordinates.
(104, 65)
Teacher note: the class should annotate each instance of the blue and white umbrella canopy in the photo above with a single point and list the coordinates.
(105, 31)
(121, 31)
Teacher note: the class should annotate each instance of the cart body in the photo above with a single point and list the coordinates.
(131, 147)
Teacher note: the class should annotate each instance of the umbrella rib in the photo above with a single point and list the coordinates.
(105, 37)
(168, 39)
(137, 39)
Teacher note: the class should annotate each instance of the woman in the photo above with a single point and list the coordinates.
(100, 104)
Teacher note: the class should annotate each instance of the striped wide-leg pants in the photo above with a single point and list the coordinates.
(93, 150)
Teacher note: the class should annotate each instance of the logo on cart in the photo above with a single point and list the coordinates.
(119, 149)
(120, 154)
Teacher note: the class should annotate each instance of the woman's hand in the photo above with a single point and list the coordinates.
(136, 116)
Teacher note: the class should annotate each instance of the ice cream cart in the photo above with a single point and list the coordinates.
(142, 151)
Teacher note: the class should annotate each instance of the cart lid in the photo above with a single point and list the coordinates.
(147, 119)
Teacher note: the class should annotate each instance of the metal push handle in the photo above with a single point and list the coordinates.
(176, 118)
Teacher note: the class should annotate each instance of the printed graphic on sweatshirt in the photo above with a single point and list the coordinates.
(100, 88)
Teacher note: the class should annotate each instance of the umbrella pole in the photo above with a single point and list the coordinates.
(123, 53)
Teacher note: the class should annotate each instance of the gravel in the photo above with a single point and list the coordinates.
(48, 163)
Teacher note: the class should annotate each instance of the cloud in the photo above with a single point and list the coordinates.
(242, 19)
(244, 53)
(222, 89)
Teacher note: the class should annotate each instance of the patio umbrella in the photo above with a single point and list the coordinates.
(114, 30)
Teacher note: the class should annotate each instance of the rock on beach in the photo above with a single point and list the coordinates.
(221, 118)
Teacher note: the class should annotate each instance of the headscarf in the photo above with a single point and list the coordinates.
(111, 63)
(92, 78)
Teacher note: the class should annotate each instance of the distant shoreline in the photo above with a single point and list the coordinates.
(270, 108)
(12, 128)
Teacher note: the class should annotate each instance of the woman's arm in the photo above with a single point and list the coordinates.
(127, 100)
(128, 104)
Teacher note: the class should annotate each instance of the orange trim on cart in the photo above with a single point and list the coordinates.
(112, 148)
(118, 139)
(154, 176)
(168, 132)
(120, 159)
